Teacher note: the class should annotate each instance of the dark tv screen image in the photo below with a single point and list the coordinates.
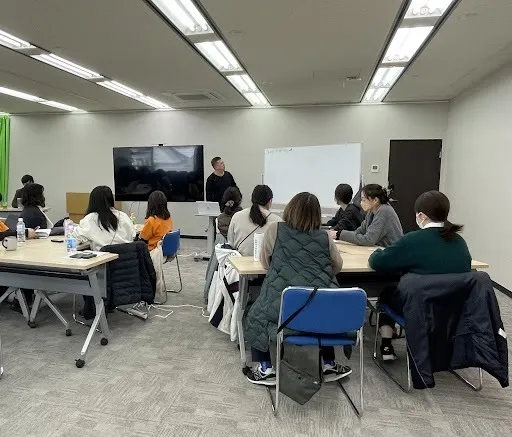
(178, 171)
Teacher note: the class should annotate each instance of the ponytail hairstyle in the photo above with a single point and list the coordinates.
(436, 206)
(231, 200)
(376, 191)
(261, 196)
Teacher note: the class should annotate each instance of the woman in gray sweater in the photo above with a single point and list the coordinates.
(381, 227)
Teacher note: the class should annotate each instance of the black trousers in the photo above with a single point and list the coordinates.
(259, 356)
(390, 298)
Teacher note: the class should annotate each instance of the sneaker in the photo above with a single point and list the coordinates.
(260, 376)
(388, 353)
(335, 371)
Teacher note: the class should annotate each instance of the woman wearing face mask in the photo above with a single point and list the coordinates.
(437, 248)
(381, 227)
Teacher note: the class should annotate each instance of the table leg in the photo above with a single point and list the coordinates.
(43, 296)
(7, 293)
(23, 304)
(243, 285)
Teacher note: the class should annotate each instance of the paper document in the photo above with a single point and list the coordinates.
(43, 233)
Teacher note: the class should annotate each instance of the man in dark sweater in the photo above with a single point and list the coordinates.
(349, 217)
(218, 181)
(27, 179)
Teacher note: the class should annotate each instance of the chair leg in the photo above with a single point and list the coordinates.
(179, 275)
(381, 367)
(1, 360)
(359, 412)
(278, 373)
(465, 381)
(78, 320)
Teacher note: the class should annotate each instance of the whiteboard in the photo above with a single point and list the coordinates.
(317, 169)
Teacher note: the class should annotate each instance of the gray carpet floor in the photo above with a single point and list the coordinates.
(181, 377)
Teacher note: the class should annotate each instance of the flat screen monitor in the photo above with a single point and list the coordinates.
(178, 171)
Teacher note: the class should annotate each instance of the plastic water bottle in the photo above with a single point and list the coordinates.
(71, 243)
(20, 231)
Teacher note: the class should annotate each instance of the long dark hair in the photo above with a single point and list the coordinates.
(101, 201)
(32, 195)
(157, 206)
(261, 195)
(303, 212)
(231, 200)
(436, 206)
(376, 191)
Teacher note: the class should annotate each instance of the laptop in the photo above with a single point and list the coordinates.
(208, 208)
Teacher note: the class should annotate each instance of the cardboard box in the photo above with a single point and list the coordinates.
(77, 203)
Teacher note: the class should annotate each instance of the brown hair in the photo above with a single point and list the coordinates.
(436, 206)
(303, 212)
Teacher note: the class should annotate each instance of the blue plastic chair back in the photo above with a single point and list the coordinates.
(171, 243)
(331, 311)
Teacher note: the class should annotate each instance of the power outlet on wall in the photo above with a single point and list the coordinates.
(374, 168)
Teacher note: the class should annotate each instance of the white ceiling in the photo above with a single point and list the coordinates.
(299, 52)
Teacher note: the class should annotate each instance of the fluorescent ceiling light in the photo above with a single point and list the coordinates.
(405, 43)
(375, 95)
(136, 95)
(385, 77)
(256, 99)
(219, 55)
(427, 8)
(70, 67)
(184, 15)
(8, 40)
(243, 83)
(61, 106)
(20, 95)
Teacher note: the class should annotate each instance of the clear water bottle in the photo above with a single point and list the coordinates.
(71, 244)
(20, 231)
(69, 227)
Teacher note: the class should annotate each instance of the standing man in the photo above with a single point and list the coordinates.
(27, 179)
(218, 181)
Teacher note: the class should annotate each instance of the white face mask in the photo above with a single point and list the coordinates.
(419, 222)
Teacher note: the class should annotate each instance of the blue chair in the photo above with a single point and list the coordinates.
(330, 319)
(400, 320)
(170, 248)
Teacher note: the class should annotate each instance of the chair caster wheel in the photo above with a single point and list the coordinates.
(104, 341)
(32, 324)
(80, 363)
(68, 332)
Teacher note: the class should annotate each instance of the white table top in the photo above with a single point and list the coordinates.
(10, 209)
(45, 253)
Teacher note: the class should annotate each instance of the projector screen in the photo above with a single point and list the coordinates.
(317, 169)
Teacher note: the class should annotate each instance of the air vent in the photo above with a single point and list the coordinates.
(193, 96)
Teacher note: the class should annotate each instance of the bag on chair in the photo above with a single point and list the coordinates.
(300, 383)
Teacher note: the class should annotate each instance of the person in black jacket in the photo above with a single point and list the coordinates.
(219, 181)
(32, 198)
(25, 180)
(349, 217)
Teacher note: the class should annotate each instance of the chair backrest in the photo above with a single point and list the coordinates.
(331, 311)
(171, 243)
(12, 220)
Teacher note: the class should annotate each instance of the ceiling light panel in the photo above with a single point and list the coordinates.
(133, 94)
(20, 95)
(386, 77)
(375, 95)
(427, 8)
(184, 15)
(243, 83)
(68, 66)
(405, 43)
(219, 55)
(60, 106)
(256, 99)
(13, 42)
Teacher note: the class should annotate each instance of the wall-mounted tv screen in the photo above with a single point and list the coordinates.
(178, 171)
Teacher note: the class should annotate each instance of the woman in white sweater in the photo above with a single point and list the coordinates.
(104, 225)
(244, 224)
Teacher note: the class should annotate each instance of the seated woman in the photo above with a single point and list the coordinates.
(104, 225)
(158, 220)
(436, 248)
(349, 216)
(381, 227)
(295, 252)
(256, 219)
(32, 199)
(229, 205)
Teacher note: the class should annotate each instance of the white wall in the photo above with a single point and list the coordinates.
(476, 163)
(74, 152)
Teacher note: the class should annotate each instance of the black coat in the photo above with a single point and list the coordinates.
(453, 322)
(347, 220)
(132, 277)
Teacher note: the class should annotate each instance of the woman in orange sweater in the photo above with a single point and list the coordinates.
(158, 220)
(158, 224)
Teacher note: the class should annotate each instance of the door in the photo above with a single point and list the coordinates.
(414, 167)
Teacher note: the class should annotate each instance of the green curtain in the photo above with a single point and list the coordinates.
(4, 155)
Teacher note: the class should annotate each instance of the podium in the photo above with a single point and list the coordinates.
(212, 211)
